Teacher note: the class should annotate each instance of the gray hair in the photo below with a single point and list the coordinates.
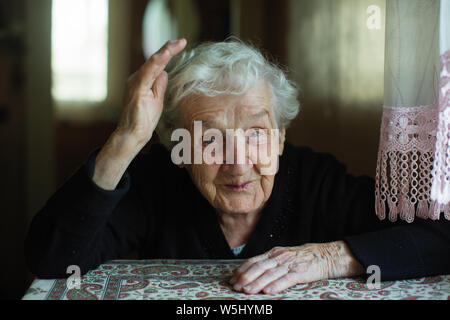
(208, 70)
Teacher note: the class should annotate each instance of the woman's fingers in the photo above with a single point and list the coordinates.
(254, 272)
(160, 85)
(246, 265)
(281, 268)
(266, 278)
(260, 274)
(153, 67)
(274, 253)
(290, 279)
(277, 255)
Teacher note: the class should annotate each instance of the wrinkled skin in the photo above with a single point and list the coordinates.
(284, 267)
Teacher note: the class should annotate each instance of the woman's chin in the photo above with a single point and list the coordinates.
(239, 205)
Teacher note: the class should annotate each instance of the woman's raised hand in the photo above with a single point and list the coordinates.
(145, 96)
(140, 116)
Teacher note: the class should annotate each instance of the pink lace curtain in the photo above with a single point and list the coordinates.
(413, 167)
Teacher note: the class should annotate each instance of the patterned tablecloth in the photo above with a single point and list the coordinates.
(208, 279)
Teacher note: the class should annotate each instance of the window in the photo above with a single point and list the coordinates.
(79, 50)
(159, 26)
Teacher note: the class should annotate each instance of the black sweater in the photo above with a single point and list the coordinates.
(157, 211)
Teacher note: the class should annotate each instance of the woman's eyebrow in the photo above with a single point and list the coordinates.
(254, 118)
(209, 123)
(259, 115)
(213, 123)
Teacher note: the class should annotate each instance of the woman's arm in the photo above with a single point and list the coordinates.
(139, 118)
(84, 225)
(96, 216)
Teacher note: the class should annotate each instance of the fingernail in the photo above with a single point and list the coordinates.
(248, 288)
(232, 280)
(268, 291)
(237, 287)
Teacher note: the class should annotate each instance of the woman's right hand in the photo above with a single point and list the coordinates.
(143, 108)
(145, 95)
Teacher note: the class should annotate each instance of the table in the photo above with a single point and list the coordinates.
(208, 279)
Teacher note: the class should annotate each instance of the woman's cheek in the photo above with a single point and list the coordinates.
(263, 157)
(267, 186)
(205, 174)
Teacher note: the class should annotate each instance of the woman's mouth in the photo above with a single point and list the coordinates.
(238, 187)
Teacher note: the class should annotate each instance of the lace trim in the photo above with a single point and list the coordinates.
(405, 159)
(413, 165)
(440, 190)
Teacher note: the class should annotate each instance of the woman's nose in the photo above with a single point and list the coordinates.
(236, 169)
(236, 158)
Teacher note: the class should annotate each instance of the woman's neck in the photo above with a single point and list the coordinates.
(238, 227)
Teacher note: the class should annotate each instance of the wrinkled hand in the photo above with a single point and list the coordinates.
(140, 116)
(284, 267)
(145, 94)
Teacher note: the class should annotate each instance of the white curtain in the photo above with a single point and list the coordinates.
(413, 167)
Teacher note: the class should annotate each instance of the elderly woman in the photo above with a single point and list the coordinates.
(306, 221)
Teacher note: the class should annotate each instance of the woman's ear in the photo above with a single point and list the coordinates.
(282, 138)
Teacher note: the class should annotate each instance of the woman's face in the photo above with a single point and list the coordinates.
(238, 185)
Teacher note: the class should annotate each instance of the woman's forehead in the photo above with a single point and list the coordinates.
(237, 115)
(255, 104)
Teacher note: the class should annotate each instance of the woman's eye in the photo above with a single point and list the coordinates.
(257, 136)
(255, 133)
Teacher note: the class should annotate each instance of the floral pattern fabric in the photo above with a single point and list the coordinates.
(208, 280)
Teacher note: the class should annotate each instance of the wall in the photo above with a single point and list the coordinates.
(339, 64)
(39, 115)
(118, 72)
(26, 129)
(12, 204)
(84, 127)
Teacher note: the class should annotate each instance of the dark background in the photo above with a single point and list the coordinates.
(325, 45)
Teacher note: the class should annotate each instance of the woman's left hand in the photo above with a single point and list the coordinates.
(284, 267)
